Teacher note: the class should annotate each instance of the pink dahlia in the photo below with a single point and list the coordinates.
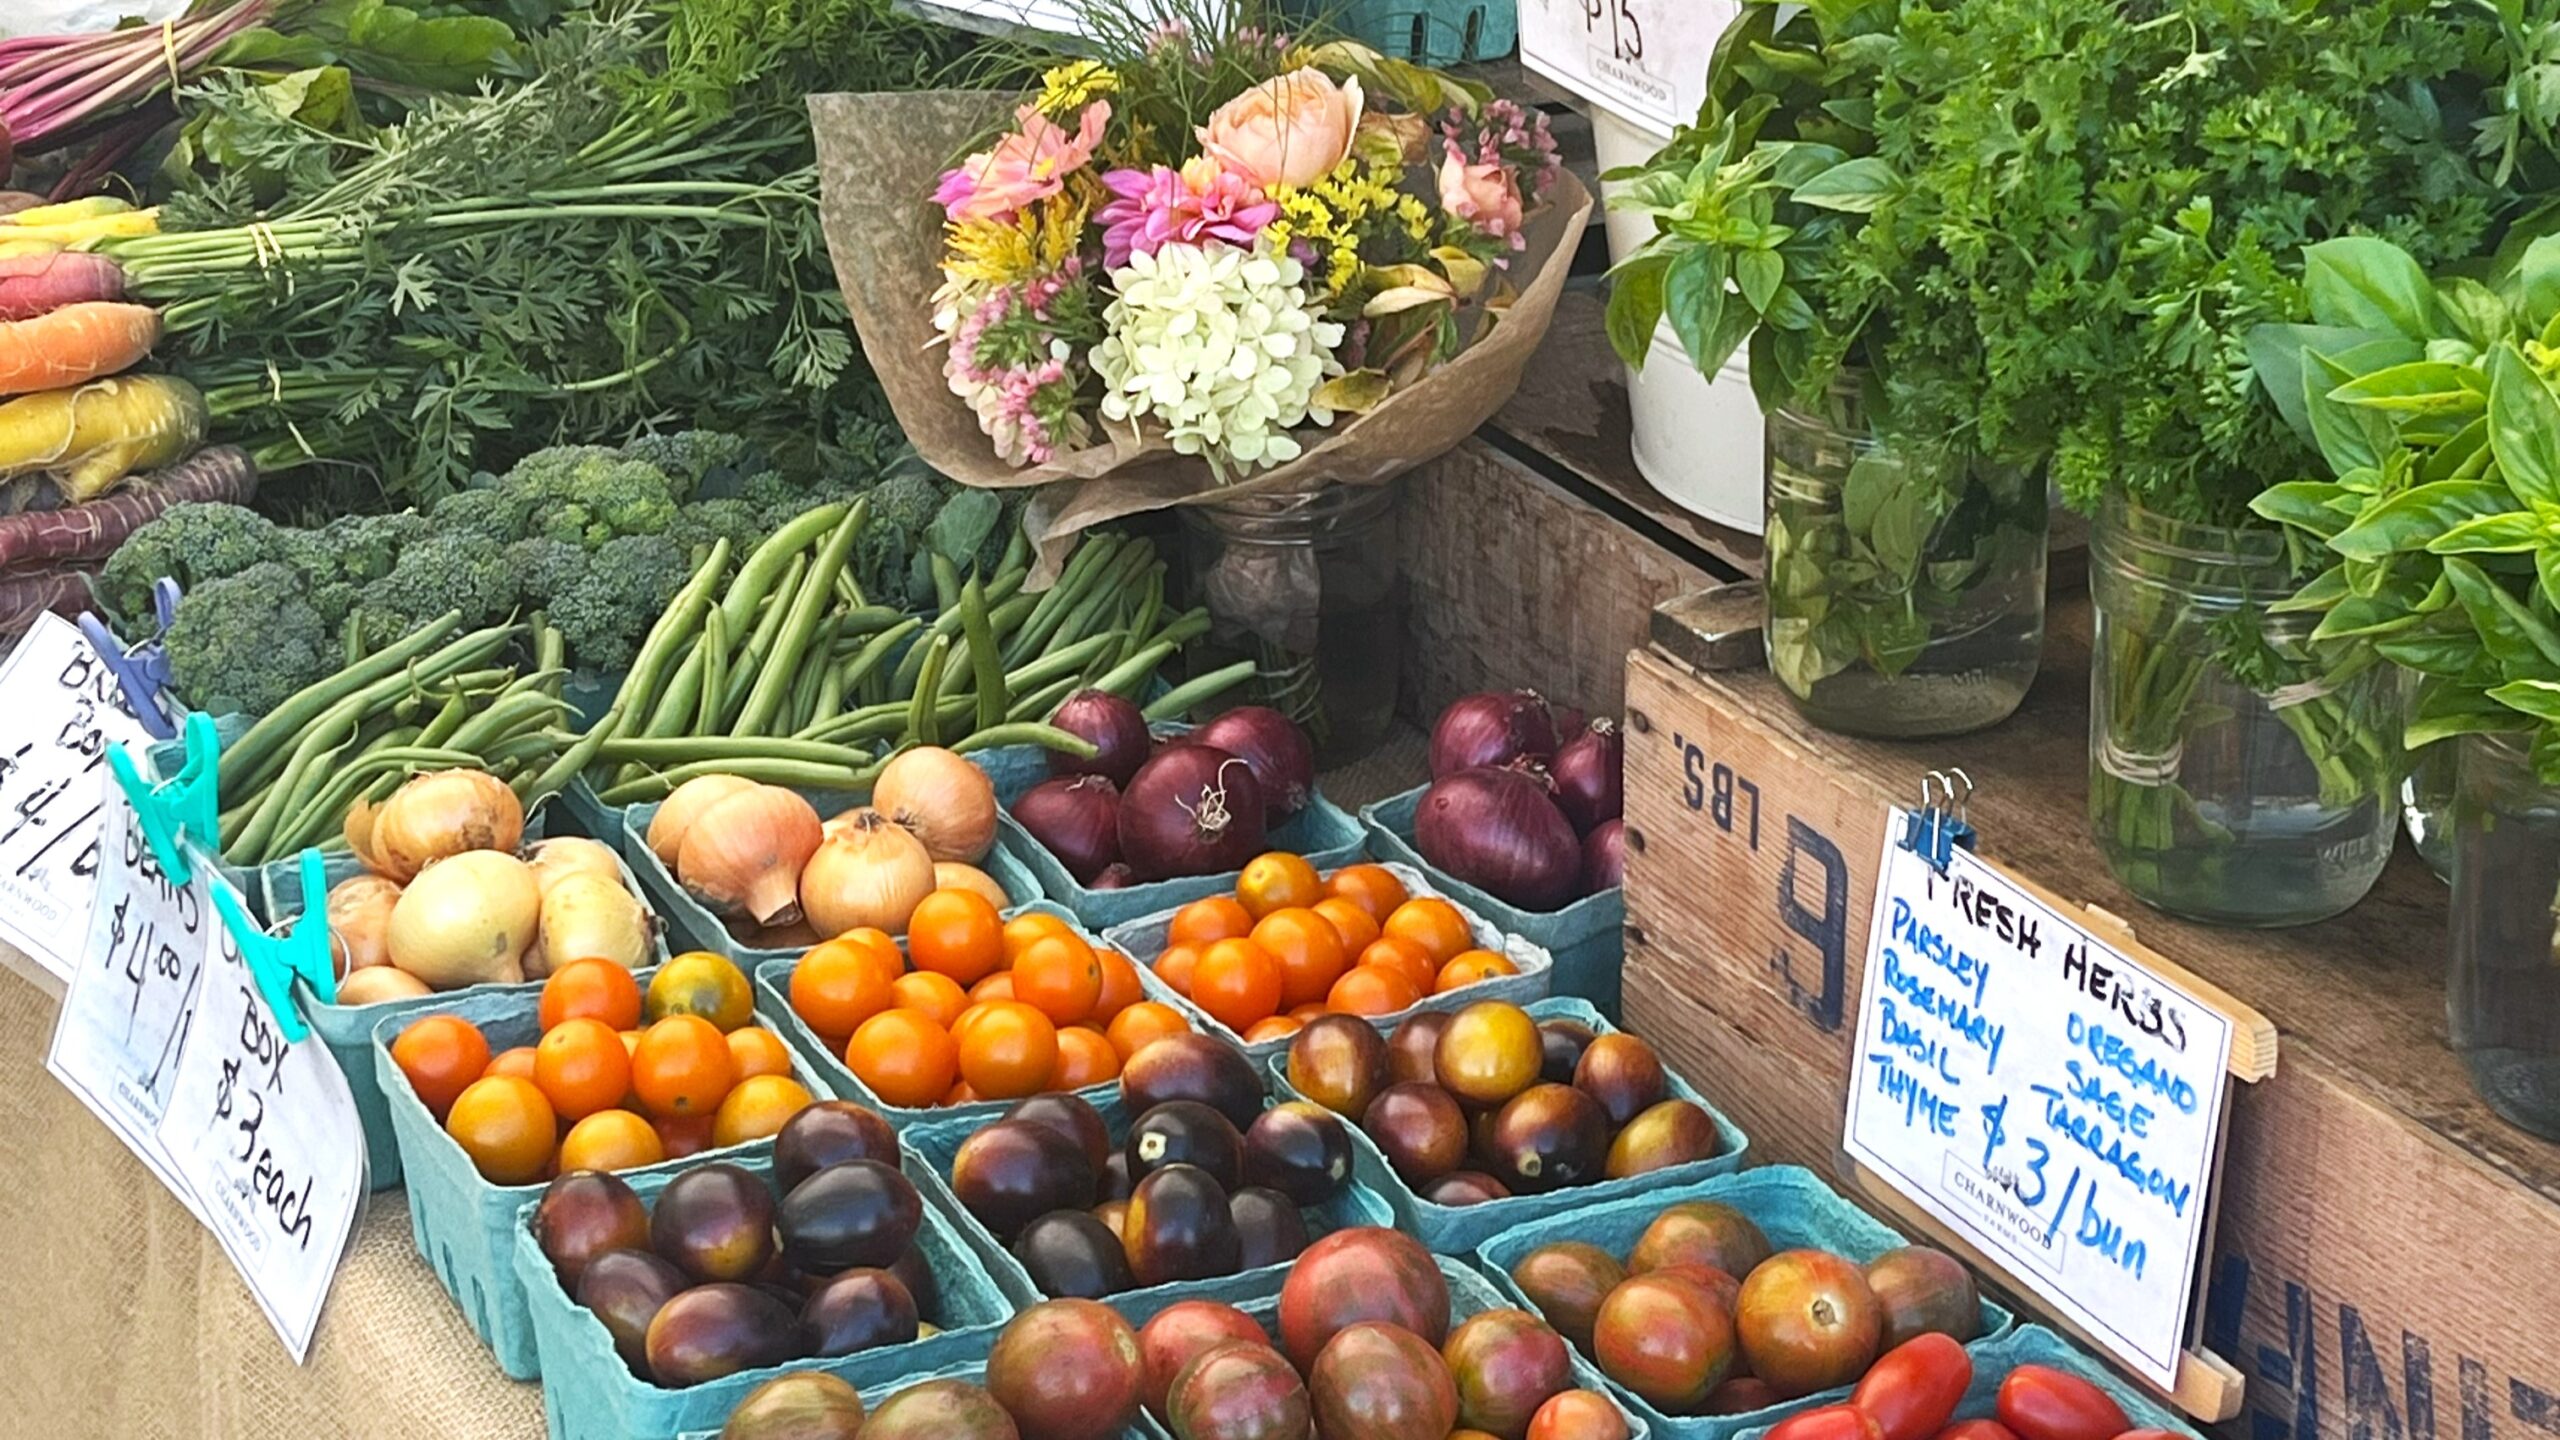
(1026, 167)
(1151, 209)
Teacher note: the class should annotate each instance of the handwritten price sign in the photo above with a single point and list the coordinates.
(64, 710)
(1645, 60)
(2051, 1099)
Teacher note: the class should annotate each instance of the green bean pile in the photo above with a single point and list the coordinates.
(436, 700)
(786, 674)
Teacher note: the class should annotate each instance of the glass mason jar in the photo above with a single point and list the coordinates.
(2235, 777)
(1905, 584)
(1308, 587)
(2502, 993)
(2426, 797)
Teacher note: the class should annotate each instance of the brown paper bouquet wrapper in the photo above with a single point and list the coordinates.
(879, 156)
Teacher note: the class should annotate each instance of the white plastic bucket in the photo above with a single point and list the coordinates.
(1697, 441)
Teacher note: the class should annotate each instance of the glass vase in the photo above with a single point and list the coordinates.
(2236, 776)
(2502, 991)
(1308, 586)
(1905, 583)
(2426, 805)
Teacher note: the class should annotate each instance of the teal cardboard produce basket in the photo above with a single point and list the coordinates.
(1587, 938)
(1459, 1229)
(2035, 1345)
(935, 1144)
(773, 1001)
(1323, 832)
(1790, 1205)
(1143, 940)
(1427, 32)
(589, 1393)
(464, 1225)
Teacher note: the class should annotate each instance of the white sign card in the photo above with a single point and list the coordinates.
(129, 1004)
(267, 1136)
(1642, 60)
(64, 709)
(2053, 1102)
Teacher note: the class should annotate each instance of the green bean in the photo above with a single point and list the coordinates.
(799, 774)
(1187, 627)
(282, 801)
(946, 579)
(674, 626)
(333, 799)
(1007, 616)
(1047, 737)
(1175, 702)
(1106, 592)
(1090, 558)
(868, 659)
(247, 756)
(714, 653)
(1005, 584)
(1017, 554)
(1130, 675)
(351, 641)
(830, 696)
(1040, 704)
(878, 722)
(782, 666)
(804, 686)
(501, 717)
(1067, 660)
(550, 647)
(923, 720)
(848, 594)
(1150, 609)
(743, 674)
(712, 749)
(449, 719)
(864, 620)
(769, 560)
(987, 665)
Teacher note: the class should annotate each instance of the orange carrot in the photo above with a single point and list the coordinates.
(74, 345)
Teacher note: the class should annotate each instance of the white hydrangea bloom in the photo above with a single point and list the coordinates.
(1222, 347)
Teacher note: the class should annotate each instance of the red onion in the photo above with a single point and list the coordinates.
(1587, 774)
(1604, 857)
(1494, 728)
(1116, 876)
(1569, 719)
(1495, 829)
(1282, 760)
(1191, 810)
(1078, 818)
(1116, 727)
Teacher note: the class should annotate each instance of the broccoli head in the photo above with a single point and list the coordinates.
(605, 612)
(249, 642)
(491, 513)
(703, 522)
(191, 544)
(365, 547)
(543, 567)
(696, 462)
(468, 573)
(587, 495)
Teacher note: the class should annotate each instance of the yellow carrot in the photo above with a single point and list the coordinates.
(89, 437)
(74, 345)
(89, 208)
(12, 249)
(87, 231)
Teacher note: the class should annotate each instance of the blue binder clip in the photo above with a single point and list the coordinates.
(143, 670)
(1939, 828)
(187, 805)
(300, 953)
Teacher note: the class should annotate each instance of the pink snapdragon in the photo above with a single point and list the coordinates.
(1151, 209)
(1024, 168)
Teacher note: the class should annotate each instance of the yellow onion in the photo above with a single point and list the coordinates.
(741, 856)
(376, 983)
(679, 810)
(438, 816)
(466, 920)
(952, 875)
(359, 912)
(869, 872)
(561, 856)
(358, 828)
(941, 799)
(587, 917)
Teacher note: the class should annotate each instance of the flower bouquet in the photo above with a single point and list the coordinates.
(1205, 263)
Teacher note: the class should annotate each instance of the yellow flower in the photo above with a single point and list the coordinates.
(1333, 215)
(1074, 85)
(1034, 242)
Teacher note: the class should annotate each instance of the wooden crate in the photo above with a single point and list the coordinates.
(2387, 1259)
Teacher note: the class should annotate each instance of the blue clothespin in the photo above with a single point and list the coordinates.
(1938, 829)
(143, 670)
(300, 953)
(187, 805)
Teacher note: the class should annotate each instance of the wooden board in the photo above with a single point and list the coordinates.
(2383, 1264)
(1510, 583)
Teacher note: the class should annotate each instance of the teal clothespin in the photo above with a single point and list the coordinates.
(301, 952)
(186, 805)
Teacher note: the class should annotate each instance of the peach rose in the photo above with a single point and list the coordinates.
(1485, 196)
(1292, 130)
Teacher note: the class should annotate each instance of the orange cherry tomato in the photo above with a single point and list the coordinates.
(1434, 924)
(610, 1140)
(1469, 967)
(998, 986)
(1405, 958)
(1372, 990)
(517, 1063)
(1210, 918)
(1059, 976)
(700, 983)
(1238, 983)
(843, 982)
(1357, 927)
(1273, 1027)
(507, 1128)
(441, 1055)
(758, 1051)
(904, 1057)
(960, 1094)
(956, 933)
(582, 1068)
(1120, 986)
(1277, 880)
(1009, 1052)
(630, 1041)
(937, 996)
(682, 1067)
(1307, 1014)
(1021, 930)
(1085, 1057)
(1373, 888)
(1175, 966)
(757, 1108)
(1133, 1029)
(1309, 950)
(591, 990)
(683, 1135)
